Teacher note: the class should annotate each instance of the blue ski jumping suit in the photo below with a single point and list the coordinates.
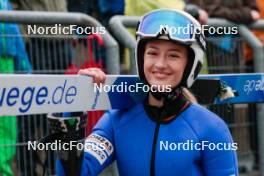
(195, 143)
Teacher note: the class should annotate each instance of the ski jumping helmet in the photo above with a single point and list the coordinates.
(177, 26)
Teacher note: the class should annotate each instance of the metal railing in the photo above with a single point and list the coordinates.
(29, 17)
(47, 55)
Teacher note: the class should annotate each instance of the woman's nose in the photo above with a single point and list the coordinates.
(161, 62)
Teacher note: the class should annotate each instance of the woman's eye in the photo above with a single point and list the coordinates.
(174, 55)
(151, 53)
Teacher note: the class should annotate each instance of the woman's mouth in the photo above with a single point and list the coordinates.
(160, 75)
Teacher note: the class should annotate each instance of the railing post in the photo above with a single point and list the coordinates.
(118, 26)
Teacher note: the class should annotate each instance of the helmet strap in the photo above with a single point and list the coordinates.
(167, 97)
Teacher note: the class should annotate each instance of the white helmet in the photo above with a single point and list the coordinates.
(177, 26)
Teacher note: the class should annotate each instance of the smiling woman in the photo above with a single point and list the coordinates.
(163, 58)
(164, 62)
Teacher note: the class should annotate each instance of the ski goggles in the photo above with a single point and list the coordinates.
(177, 25)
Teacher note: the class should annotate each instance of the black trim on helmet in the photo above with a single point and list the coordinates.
(197, 69)
(201, 40)
(188, 67)
(140, 59)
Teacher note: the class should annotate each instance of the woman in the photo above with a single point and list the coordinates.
(166, 134)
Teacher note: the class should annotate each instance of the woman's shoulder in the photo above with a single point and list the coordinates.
(118, 116)
(202, 113)
(203, 121)
(136, 108)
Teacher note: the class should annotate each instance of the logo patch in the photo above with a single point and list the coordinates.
(99, 147)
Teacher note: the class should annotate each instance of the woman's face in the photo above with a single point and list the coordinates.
(164, 62)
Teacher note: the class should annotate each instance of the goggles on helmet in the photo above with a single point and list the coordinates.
(178, 27)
